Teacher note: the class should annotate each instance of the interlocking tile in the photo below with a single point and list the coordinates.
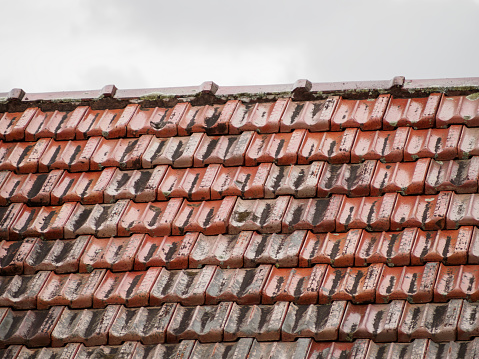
(473, 252)
(31, 328)
(280, 148)
(21, 291)
(262, 322)
(453, 350)
(316, 214)
(463, 211)
(167, 351)
(87, 326)
(459, 176)
(208, 217)
(413, 112)
(320, 322)
(73, 156)
(146, 324)
(105, 351)
(415, 350)
(457, 282)
(338, 350)
(298, 285)
(12, 125)
(350, 179)
(354, 284)
(131, 289)
(261, 117)
(378, 322)
(116, 254)
(440, 144)
(314, 116)
(13, 255)
(67, 352)
(137, 185)
(261, 215)
(234, 350)
(192, 183)
(280, 350)
(426, 212)
(226, 150)
(161, 122)
(336, 249)
(415, 283)
(75, 290)
(404, 177)
(458, 109)
(371, 213)
(365, 114)
(297, 180)
(185, 286)
(241, 285)
(212, 119)
(224, 250)
(469, 143)
(386, 146)
(171, 252)
(246, 182)
(434, 321)
(282, 250)
(205, 323)
(333, 147)
(99, 219)
(174, 151)
(8, 215)
(125, 153)
(22, 157)
(392, 248)
(468, 325)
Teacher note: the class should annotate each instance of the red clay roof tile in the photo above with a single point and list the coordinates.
(459, 176)
(314, 116)
(458, 110)
(333, 147)
(386, 146)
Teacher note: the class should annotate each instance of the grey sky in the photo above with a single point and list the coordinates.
(78, 45)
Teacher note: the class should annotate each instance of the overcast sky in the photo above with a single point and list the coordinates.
(58, 45)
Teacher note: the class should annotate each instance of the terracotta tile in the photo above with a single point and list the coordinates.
(458, 110)
(22, 157)
(415, 283)
(154, 218)
(246, 182)
(261, 117)
(457, 282)
(171, 252)
(333, 147)
(405, 177)
(146, 324)
(378, 322)
(116, 254)
(74, 290)
(210, 119)
(298, 285)
(469, 143)
(473, 251)
(182, 349)
(314, 116)
(353, 284)
(161, 122)
(260, 215)
(392, 248)
(282, 250)
(415, 350)
(426, 212)
(241, 285)
(237, 350)
(365, 114)
(61, 256)
(434, 321)
(296, 180)
(262, 322)
(336, 249)
(320, 322)
(350, 179)
(12, 125)
(294, 350)
(84, 187)
(174, 151)
(67, 352)
(440, 144)
(226, 150)
(462, 211)
(280, 148)
(100, 219)
(356, 350)
(468, 325)
(45, 222)
(4, 189)
(21, 291)
(87, 326)
(8, 215)
(371, 213)
(31, 328)
(13, 255)
(73, 156)
(126, 153)
(224, 250)
(192, 183)
(131, 289)
(208, 217)
(120, 351)
(459, 176)
(205, 323)
(413, 112)
(386, 146)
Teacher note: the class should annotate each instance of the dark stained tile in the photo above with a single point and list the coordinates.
(125, 153)
(67, 352)
(453, 350)
(412, 112)
(314, 116)
(473, 251)
(60, 125)
(8, 215)
(13, 124)
(386, 146)
(414, 350)
(223, 350)
(261, 117)
(212, 119)
(468, 325)
(21, 291)
(106, 351)
(166, 351)
(338, 350)
(459, 176)
(22, 157)
(161, 122)
(225, 150)
(280, 350)
(457, 282)
(13, 255)
(333, 147)
(458, 110)
(440, 144)
(469, 143)
(463, 211)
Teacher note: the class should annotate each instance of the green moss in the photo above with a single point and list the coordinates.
(473, 96)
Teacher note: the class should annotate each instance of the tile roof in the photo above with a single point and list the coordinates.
(291, 221)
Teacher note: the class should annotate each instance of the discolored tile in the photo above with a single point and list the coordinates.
(234, 350)
(125, 153)
(22, 157)
(386, 146)
(169, 351)
(412, 112)
(212, 119)
(13, 124)
(463, 211)
(468, 325)
(457, 282)
(13, 255)
(458, 110)
(225, 150)
(459, 176)
(261, 117)
(21, 291)
(356, 350)
(440, 144)
(333, 147)
(314, 116)
(414, 350)
(161, 122)
(8, 215)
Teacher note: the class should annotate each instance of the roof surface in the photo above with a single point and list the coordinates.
(292, 221)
